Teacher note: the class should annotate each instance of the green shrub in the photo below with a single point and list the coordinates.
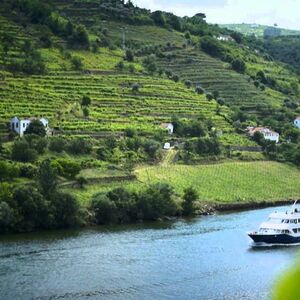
(105, 210)
(22, 152)
(57, 144)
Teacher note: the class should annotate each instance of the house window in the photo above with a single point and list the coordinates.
(24, 125)
(17, 125)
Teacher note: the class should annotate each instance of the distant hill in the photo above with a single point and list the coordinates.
(256, 29)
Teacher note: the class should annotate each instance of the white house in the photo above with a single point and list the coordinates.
(20, 125)
(297, 122)
(267, 133)
(168, 126)
(167, 146)
(225, 38)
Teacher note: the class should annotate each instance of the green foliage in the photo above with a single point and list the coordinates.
(66, 167)
(288, 286)
(158, 18)
(79, 146)
(105, 210)
(152, 148)
(86, 101)
(157, 201)
(57, 144)
(212, 46)
(129, 56)
(47, 178)
(238, 65)
(36, 127)
(189, 198)
(22, 152)
(8, 171)
(67, 212)
(77, 63)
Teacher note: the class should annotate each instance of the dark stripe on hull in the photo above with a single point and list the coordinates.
(274, 238)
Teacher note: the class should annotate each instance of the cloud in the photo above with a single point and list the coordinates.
(284, 13)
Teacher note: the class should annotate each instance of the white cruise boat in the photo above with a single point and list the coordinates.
(280, 228)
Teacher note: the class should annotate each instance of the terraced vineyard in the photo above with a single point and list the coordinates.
(114, 105)
(214, 75)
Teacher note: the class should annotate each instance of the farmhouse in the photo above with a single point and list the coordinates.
(266, 132)
(168, 126)
(297, 122)
(20, 125)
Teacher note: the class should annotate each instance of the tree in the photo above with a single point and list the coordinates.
(212, 46)
(238, 65)
(176, 78)
(36, 127)
(57, 144)
(129, 55)
(158, 18)
(82, 181)
(22, 152)
(79, 146)
(152, 148)
(47, 178)
(36, 142)
(77, 63)
(157, 201)
(199, 90)
(8, 171)
(209, 96)
(188, 83)
(86, 112)
(175, 22)
(7, 217)
(66, 210)
(238, 37)
(135, 88)
(86, 101)
(189, 198)
(105, 209)
(32, 209)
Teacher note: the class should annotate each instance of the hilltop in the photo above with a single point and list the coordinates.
(257, 29)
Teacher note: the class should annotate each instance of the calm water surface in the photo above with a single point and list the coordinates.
(206, 258)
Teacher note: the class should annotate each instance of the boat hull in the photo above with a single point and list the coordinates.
(274, 238)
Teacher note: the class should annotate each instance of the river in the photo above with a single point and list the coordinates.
(204, 258)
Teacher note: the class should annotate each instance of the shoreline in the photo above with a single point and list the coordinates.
(205, 209)
(209, 208)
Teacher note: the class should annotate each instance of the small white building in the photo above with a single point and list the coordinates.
(297, 122)
(267, 133)
(167, 146)
(20, 125)
(168, 126)
(225, 38)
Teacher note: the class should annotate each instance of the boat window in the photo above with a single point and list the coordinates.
(295, 230)
(286, 221)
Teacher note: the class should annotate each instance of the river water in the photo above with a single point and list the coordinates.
(204, 258)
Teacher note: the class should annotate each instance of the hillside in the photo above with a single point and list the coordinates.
(256, 29)
(108, 76)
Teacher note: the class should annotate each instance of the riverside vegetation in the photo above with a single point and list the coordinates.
(105, 101)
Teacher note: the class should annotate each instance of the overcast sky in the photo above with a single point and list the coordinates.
(267, 12)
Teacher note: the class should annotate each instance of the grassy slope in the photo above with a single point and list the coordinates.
(223, 183)
(258, 31)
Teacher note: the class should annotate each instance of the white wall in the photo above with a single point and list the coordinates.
(297, 123)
